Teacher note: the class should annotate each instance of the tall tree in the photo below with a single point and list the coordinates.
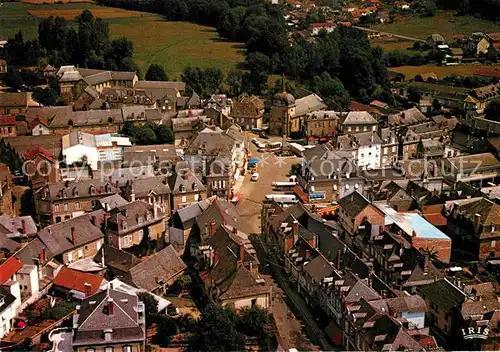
(216, 331)
(156, 73)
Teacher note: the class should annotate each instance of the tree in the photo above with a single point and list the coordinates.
(166, 330)
(216, 331)
(164, 134)
(145, 136)
(294, 169)
(234, 81)
(255, 322)
(156, 73)
(150, 304)
(46, 97)
(13, 79)
(184, 281)
(414, 94)
(436, 106)
(492, 110)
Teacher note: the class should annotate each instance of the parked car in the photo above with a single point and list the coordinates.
(255, 177)
(263, 135)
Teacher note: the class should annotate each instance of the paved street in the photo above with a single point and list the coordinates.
(271, 169)
(290, 330)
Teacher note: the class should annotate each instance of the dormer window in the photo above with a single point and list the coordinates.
(92, 190)
(182, 188)
(195, 186)
(140, 219)
(64, 193)
(108, 188)
(124, 225)
(148, 216)
(108, 334)
(75, 192)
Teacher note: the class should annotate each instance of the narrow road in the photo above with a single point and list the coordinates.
(390, 34)
(300, 306)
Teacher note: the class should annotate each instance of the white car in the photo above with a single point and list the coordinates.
(255, 176)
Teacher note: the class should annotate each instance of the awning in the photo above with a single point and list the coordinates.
(297, 189)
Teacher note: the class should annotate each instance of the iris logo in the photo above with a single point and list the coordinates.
(475, 333)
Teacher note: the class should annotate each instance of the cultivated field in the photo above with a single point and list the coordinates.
(101, 12)
(444, 23)
(171, 44)
(440, 71)
(389, 44)
(176, 45)
(53, 1)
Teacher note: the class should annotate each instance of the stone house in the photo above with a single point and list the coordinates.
(75, 239)
(248, 111)
(153, 190)
(473, 226)
(109, 320)
(129, 224)
(62, 201)
(185, 189)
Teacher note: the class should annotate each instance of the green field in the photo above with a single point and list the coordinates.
(444, 23)
(171, 44)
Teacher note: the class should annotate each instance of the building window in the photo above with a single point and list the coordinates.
(394, 149)
(77, 205)
(56, 207)
(70, 257)
(184, 199)
(493, 244)
(80, 253)
(108, 349)
(196, 197)
(66, 206)
(90, 350)
(127, 348)
(254, 302)
(386, 150)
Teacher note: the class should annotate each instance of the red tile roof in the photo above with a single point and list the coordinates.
(31, 153)
(323, 24)
(38, 120)
(9, 268)
(347, 24)
(75, 280)
(7, 120)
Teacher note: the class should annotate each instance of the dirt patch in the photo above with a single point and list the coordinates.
(70, 14)
(185, 305)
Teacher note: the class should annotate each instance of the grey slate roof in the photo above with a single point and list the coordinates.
(76, 189)
(87, 118)
(160, 267)
(58, 237)
(144, 186)
(93, 318)
(359, 118)
(187, 180)
(354, 203)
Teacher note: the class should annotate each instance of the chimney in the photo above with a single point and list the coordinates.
(111, 306)
(235, 230)
(241, 256)
(455, 209)
(73, 235)
(41, 256)
(116, 184)
(212, 228)
(477, 222)
(426, 264)
(94, 221)
(295, 228)
(88, 288)
(110, 178)
(23, 226)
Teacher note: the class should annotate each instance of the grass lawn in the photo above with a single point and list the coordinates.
(444, 23)
(171, 44)
(440, 71)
